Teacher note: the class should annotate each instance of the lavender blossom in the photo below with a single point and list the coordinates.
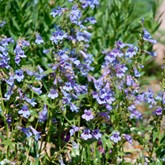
(147, 37)
(35, 133)
(104, 115)
(120, 70)
(159, 96)
(153, 54)
(129, 80)
(149, 98)
(130, 52)
(83, 36)
(135, 114)
(53, 94)
(19, 75)
(86, 134)
(30, 101)
(115, 137)
(128, 138)
(120, 44)
(37, 90)
(4, 58)
(19, 53)
(2, 23)
(159, 111)
(58, 11)
(10, 81)
(39, 75)
(26, 131)
(110, 57)
(9, 119)
(136, 73)
(96, 134)
(67, 86)
(9, 92)
(90, 3)
(39, 39)
(92, 20)
(116, 53)
(73, 107)
(163, 99)
(87, 115)
(58, 36)
(75, 15)
(24, 43)
(73, 130)
(45, 51)
(43, 114)
(24, 111)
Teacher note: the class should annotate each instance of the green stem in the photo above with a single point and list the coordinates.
(4, 119)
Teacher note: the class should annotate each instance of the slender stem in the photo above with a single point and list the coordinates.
(4, 119)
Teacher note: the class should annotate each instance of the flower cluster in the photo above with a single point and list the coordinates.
(59, 98)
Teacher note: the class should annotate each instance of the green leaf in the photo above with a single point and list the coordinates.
(48, 71)
(8, 143)
(15, 24)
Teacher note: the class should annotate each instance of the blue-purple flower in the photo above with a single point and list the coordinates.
(163, 99)
(116, 53)
(90, 3)
(43, 114)
(136, 73)
(147, 37)
(19, 76)
(130, 52)
(67, 86)
(73, 107)
(24, 43)
(110, 57)
(24, 111)
(37, 90)
(19, 52)
(75, 15)
(120, 70)
(120, 44)
(128, 138)
(92, 20)
(2, 23)
(9, 92)
(159, 111)
(58, 36)
(153, 54)
(104, 115)
(129, 80)
(10, 81)
(83, 36)
(115, 137)
(88, 115)
(26, 131)
(30, 101)
(35, 133)
(135, 114)
(39, 39)
(86, 134)
(73, 130)
(149, 98)
(58, 11)
(96, 134)
(53, 94)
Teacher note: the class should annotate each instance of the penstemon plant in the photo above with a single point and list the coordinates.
(56, 109)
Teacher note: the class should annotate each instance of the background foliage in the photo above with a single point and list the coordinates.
(116, 20)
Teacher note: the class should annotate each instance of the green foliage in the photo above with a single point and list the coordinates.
(116, 20)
